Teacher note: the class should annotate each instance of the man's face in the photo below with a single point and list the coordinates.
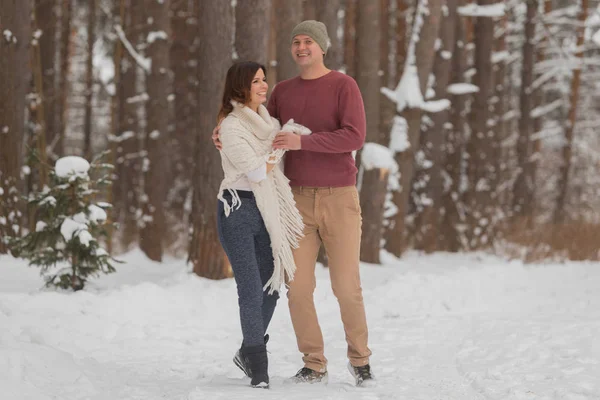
(306, 51)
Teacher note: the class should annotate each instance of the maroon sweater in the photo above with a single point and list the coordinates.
(332, 108)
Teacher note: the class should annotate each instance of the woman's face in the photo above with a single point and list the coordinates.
(258, 89)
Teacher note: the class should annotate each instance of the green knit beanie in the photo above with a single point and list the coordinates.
(316, 30)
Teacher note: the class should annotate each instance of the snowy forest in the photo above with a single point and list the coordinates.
(478, 182)
(481, 118)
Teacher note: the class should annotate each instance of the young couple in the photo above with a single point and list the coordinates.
(271, 225)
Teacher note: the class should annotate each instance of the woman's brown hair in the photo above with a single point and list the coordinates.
(237, 85)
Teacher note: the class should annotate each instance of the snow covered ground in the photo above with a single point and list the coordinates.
(441, 327)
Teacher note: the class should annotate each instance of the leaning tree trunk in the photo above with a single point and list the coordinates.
(289, 14)
(215, 30)
(523, 187)
(157, 129)
(560, 213)
(420, 57)
(483, 142)
(15, 75)
(251, 30)
(428, 180)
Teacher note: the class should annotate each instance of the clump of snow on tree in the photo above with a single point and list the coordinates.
(462, 88)
(399, 135)
(70, 166)
(377, 156)
(491, 10)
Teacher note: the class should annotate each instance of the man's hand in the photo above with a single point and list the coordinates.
(215, 138)
(287, 141)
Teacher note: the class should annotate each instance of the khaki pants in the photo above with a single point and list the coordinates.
(331, 216)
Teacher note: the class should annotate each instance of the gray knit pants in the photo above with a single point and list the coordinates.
(247, 244)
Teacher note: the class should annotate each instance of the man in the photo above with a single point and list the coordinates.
(322, 174)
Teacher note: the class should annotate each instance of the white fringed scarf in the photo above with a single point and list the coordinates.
(273, 195)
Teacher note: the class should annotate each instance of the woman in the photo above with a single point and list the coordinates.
(257, 217)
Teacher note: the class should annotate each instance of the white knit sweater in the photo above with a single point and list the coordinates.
(247, 139)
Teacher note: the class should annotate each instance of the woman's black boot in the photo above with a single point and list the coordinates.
(259, 365)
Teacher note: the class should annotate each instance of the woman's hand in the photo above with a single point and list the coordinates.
(287, 141)
(215, 138)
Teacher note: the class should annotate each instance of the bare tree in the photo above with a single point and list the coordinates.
(560, 213)
(428, 186)
(14, 78)
(215, 31)
(289, 14)
(157, 129)
(252, 30)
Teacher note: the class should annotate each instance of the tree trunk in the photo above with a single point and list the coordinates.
(157, 129)
(57, 146)
(451, 233)
(327, 12)
(560, 213)
(251, 30)
(523, 187)
(420, 56)
(428, 180)
(350, 25)
(89, 81)
(499, 106)
(482, 144)
(289, 14)
(309, 10)
(372, 199)
(38, 112)
(368, 50)
(15, 75)
(184, 59)
(215, 25)
(540, 99)
(45, 13)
